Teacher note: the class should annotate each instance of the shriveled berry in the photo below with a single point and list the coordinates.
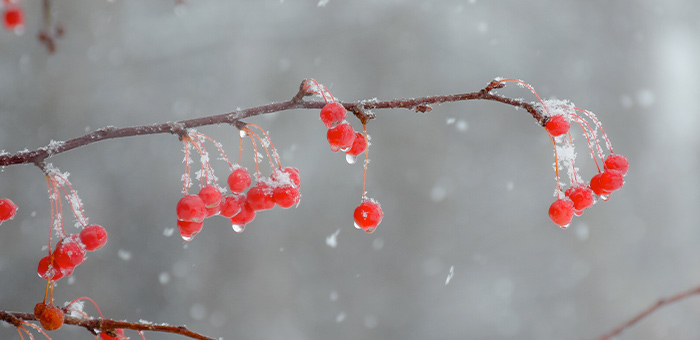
(341, 137)
(611, 180)
(581, 196)
(51, 318)
(8, 209)
(239, 180)
(191, 208)
(333, 113)
(561, 212)
(39, 308)
(291, 173)
(245, 216)
(47, 270)
(596, 186)
(93, 237)
(557, 125)
(259, 197)
(617, 163)
(368, 215)
(286, 196)
(69, 253)
(231, 205)
(359, 145)
(13, 17)
(188, 229)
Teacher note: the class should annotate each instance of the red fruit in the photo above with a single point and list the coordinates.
(13, 17)
(332, 114)
(292, 174)
(69, 253)
(561, 212)
(188, 229)
(51, 317)
(581, 196)
(210, 195)
(8, 209)
(245, 216)
(617, 163)
(368, 215)
(118, 332)
(93, 237)
(48, 271)
(596, 186)
(191, 208)
(231, 205)
(359, 145)
(557, 125)
(239, 180)
(341, 137)
(611, 180)
(259, 197)
(286, 196)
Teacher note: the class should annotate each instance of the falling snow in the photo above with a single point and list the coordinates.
(332, 240)
(450, 275)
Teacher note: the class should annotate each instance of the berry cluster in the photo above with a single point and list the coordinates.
(580, 195)
(12, 16)
(341, 136)
(240, 206)
(8, 209)
(70, 252)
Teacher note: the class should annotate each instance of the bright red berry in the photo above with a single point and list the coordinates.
(341, 137)
(8, 209)
(245, 216)
(582, 196)
(333, 113)
(611, 180)
(359, 145)
(259, 197)
(69, 253)
(596, 186)
(118, 332)
(13, 17)
(557, 125)
(239, 180)
(368, 215)
(191, 208)
(211, 196)
(617, 163)
(93, 237)
(47, 270)
(561, 212)
(286, 196)
(51, 317)
(231, 205)
(189, 229)
(291, 173)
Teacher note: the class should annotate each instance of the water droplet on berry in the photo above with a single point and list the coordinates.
(565, 226)
(238, 228)
(357, 226)
(187, 238)
(351, 159)
(604, 197)
(345, 149)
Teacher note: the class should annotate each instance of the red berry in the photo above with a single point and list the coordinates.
(557, 125)
(188, 229)
(286, 196)
(118, 332)
(231, 205)
(332, 113)
(359, 145)
(291, 173)
(8, 209)
(211, 196)
(561, 212)
(596, 186)
(617, 163)
(51, 317)
(245, 216)
(581, 196)
(48, 271)
(13, 17)
(259, 197)
(368, 215)
(191, 208)
(611, 180)
(93, 237)
(69, 253)
(239, 180)
(341, 137)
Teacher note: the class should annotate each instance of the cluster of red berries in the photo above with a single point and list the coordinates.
(70, 252)
(12, 16)
(8, 209)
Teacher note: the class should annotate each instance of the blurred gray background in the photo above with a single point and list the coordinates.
(466, 186)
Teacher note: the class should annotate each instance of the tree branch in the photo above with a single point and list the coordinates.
(359, 108)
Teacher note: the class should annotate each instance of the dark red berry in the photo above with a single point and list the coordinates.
(51, 317)
(368, 215)
(561, 212)
(332, 113)
(557, 125)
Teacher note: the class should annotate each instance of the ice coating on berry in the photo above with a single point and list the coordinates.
(239, 180)
(557, 125)
(561, 212)
(69, 253)
(231, 205)
(617, 163)
(93, 237)
(581, 196)
(188, 230)
(245, 216)
(8, 209)
(368, 215)
(259, 197)
(286, 196)
(191, 208)
(332, 113)
(359, 145)
(210, 195)
(341, 137)
(611, 180)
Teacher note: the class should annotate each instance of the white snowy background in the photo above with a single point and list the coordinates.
(465, 188)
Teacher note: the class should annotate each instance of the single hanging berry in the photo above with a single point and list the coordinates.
(189, 229)
(557, 125)
(291, 173)
(617, 163)
(50, 316)
(69, 253)
(581, 196)
(49, 271)
(211, 196)
(562, 212)
(191, 208)
(245, 216)
(596, 186)
(359, 145)
(8, 209)
(239, 180)
(93, 237)
(13, 17)
(341, 137)
(332, 114)
(231, 205)
(368, 215)
(611, 180)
